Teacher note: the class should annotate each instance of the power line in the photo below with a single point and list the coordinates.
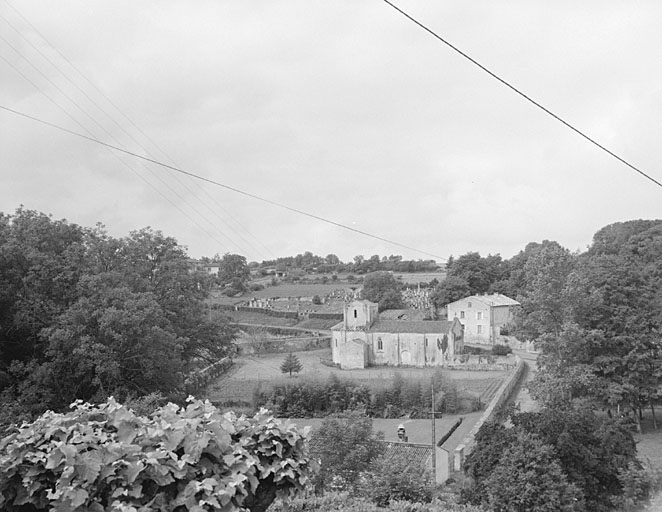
(26, 78)
(160, 150)
(217, 183)
(108, 134)
(523, 95)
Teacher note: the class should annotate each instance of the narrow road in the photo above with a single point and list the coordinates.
(523, 398)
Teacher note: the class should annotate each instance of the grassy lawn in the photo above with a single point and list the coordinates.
(249, 373)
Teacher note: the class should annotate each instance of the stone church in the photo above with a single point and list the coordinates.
(363, 339)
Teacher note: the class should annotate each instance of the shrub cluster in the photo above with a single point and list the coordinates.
(501, 350)
(308, 399)
(399, 398)
(103, 458)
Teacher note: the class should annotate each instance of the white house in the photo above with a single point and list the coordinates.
(483, 316)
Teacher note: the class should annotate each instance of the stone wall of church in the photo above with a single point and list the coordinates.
(349, 349)
(410, 349)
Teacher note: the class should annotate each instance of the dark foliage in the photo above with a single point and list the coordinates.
(86, 316)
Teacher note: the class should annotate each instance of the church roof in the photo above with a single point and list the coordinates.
(404, 314)
(420, 326)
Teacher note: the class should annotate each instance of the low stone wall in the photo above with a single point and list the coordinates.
(271, 312)
(285, 345)
(500, 398)
(325, 316)
(279, 330)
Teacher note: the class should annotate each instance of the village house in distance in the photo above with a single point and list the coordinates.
(364, 339)
(484, 317)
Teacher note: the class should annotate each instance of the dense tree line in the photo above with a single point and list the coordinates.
(84, 315)
(595, 315)
(359, 265)
(596, 318)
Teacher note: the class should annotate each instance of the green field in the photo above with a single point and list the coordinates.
(249, 373)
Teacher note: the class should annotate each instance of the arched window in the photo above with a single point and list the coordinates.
(380, 344)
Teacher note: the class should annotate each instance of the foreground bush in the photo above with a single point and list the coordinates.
(344, 502)
(103, 458)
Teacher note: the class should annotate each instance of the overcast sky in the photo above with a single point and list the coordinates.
(340, 108)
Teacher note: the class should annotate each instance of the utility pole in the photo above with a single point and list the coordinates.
(434, 436)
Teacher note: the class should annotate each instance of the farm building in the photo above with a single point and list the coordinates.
(363, 339)
(483, 316)
(208, 267)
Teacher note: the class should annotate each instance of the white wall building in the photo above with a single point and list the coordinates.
(483, 316)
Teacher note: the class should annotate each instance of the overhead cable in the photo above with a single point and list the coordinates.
(219, 184)
(523, 95)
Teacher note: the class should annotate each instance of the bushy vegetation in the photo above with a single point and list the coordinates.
(347, 502)
(398, 398)
(106, 457)
(564, 459)
(84, 315)
(595, 315)
(501, 350)
(352, 458)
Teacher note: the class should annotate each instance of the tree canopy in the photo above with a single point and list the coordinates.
(561, 458)
(84, 315)
(383, 288)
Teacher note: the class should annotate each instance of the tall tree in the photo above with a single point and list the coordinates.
(345, 446)
(449, 290)
(543, 297)
(383, 288)
(233, 271)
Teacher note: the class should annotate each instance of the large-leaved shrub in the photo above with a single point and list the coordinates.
(193, 458)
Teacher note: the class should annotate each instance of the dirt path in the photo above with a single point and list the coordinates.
(522, 397)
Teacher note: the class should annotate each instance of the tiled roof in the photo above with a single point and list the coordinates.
(496, 299)
(403, 314)
(421, 326)
(413, 454)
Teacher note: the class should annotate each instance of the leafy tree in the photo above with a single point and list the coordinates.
(389, 480)
(592, 451)
(345, 446)
(572, 457)
(233, 272)
(291, 364)
(332, 259)
(449, 290)
(383, 288)
(530, 478)
(543, 298)
(478, 272)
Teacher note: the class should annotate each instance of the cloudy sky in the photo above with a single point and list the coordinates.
(340, 108)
